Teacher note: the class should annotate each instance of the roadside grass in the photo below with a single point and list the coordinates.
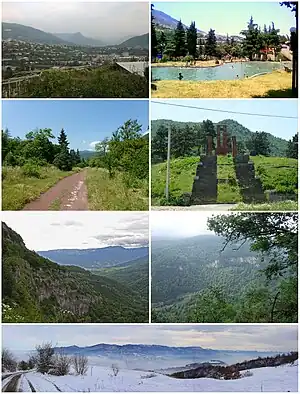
(274, 206)
(275, 84)
(18, 189)
(112, 194)
(182, 175)
(55, 205)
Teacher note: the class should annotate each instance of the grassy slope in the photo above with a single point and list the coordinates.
(105, 194)
(275, 84)
(276, 171)
(18, 189)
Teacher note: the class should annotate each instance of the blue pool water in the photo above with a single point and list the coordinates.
(227, 71)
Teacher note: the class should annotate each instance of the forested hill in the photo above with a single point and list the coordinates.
(34, 289)
(185, 266)
(278, 145)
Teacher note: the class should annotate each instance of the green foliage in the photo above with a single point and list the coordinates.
(31, 169)
(180, 40)
(259, 144)
(248, 274)
(292, 149)
(211, 44)
(105, 82)
(191, 38)
(278, 146)
(153, 36)
(63, 161)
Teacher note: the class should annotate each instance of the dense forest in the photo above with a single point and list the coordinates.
(190, 138)
(247, 273)
(35, 289)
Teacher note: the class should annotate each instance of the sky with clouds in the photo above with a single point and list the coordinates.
(110, 22)
(86, 122)
(79, 230)
(227, 337)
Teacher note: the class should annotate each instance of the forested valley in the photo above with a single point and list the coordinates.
(246, 272)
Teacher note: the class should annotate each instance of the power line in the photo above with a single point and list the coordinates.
(222, 110)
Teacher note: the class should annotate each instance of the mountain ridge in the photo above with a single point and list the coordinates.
(278, 145)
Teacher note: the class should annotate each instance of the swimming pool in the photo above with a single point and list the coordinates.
(227, 71)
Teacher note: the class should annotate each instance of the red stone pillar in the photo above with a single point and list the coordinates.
(225, 141)
(234, 147)
(209, 145)
(218, 140)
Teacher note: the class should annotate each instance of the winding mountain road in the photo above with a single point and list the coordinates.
(69, 194)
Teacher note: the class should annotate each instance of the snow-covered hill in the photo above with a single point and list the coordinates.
(279, 379)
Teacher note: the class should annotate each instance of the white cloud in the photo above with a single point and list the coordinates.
(79, 230)
(93, 144)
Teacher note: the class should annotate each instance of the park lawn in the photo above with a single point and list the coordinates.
(276, 84)
(112, 194)
(18, 189)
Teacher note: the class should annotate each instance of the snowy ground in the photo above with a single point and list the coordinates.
(280, 379)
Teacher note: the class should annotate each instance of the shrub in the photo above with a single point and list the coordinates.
(187, 58)
(80, 364)
(31, 169)
(115, 369)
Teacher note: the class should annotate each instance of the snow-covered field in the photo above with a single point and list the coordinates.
(279, 379)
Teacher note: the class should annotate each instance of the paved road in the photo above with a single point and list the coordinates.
(12, 386)
(69, 194)
(210, 207)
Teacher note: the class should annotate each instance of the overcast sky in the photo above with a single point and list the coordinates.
(107, 21)
(79, 230)
(173, 224)
(227, 337)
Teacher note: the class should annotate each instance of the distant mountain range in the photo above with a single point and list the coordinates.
(278, 145)
(79, 39)
(164, 20)
(20, 32)
(95, 258)
(160, 353)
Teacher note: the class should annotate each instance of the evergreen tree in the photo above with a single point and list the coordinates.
(62, 139)
(63, 160)
(192, 40)
(162, 42)
(182, 141)
(292, 149)
(180, 40)
(252, 43)
(259, 144)
(208, 129)
(153, 36)
(159, 143)
(211, 44)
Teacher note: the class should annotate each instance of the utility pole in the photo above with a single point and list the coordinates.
(168, 163)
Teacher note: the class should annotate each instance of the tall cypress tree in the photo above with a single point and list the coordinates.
(153, 36)
(191, 37)
(211, 44)
(252, 42)
(180, 40)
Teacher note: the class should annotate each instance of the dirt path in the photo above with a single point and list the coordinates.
(12, 385)
(69, 194)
